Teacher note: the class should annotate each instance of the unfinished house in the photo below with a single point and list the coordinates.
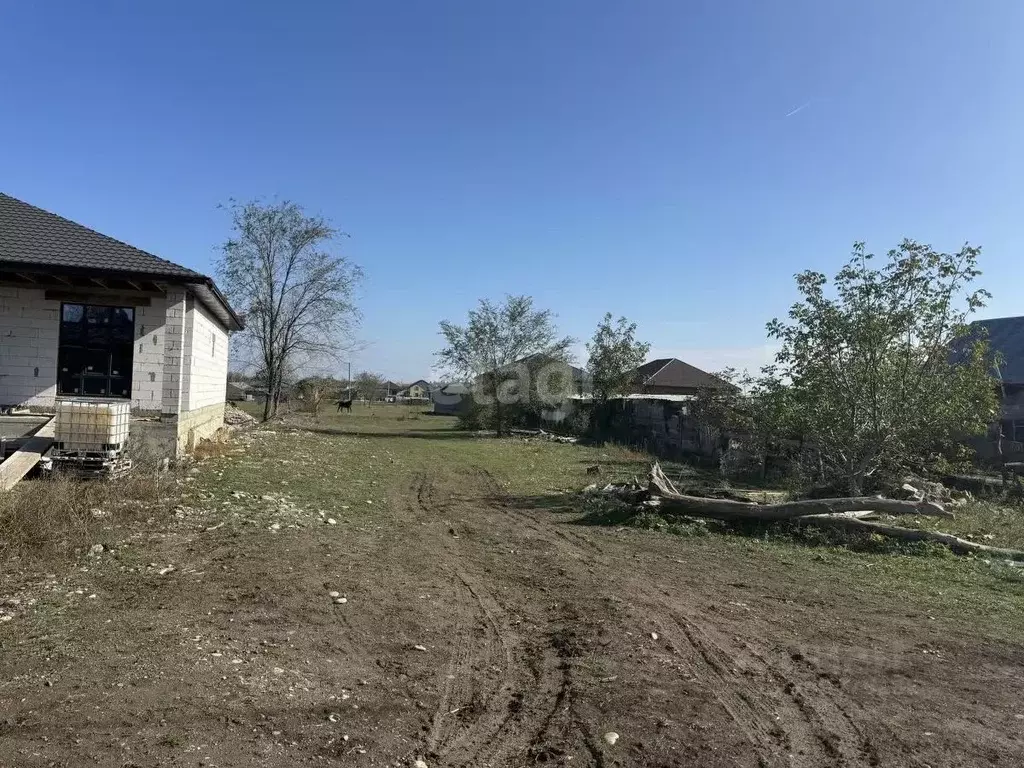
(85, 316)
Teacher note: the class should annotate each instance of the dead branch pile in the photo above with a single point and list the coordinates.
(845, 513)
(540, 433)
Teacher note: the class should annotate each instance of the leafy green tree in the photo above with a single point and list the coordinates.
(756, 409)
(868, 367)
(491, 352)
(614, 355)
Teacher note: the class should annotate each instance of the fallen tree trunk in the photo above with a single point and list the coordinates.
(955, 543)
(660, 487)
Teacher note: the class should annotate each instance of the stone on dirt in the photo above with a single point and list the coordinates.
(96, 549)
(611, 737)
(236, 417)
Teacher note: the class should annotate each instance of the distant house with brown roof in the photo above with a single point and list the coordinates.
(671, 376)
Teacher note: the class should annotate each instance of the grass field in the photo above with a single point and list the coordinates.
(488, 617)
(537, 474)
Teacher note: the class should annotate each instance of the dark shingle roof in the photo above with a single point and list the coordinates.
(1006, 336)
(33, 237)
(671, 372)
(35, 240)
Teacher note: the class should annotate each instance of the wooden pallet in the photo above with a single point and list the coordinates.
(89, 467)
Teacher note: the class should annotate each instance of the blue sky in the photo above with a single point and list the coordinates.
(632, 157)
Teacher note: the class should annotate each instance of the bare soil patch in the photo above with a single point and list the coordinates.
(479, 628)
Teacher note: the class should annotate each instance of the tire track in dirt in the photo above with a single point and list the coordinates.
(786, 721)
(497, 681)
(779, 726)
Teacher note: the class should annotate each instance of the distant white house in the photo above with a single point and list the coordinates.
(83, 315)
(418, 390)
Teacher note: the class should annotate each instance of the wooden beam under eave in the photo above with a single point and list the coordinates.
(105, 297)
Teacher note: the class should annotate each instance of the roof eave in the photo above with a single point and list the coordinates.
(216, 301)
(226, 314)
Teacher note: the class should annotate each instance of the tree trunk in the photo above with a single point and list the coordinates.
(278, 386)
(671, 500)
(955, 543)
(268, 399)
(497, 416)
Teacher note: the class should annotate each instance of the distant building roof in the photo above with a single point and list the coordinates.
(453, 389)
(33, 240)
(577, 373)
(1006, 337)
(674, 373)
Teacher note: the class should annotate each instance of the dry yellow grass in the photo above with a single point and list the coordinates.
(52, 518)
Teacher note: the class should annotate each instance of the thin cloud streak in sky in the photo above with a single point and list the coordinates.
(798, 109)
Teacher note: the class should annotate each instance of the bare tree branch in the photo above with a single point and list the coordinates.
(297, 296)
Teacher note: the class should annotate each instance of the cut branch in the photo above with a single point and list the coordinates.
(660, 487)
(955, 543)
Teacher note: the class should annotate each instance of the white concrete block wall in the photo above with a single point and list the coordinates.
(186, 353)
(179, 358)
(207, 362)
(173, 346)
(148, 356)
(29, 329)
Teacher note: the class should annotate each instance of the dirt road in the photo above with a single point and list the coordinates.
(477, 630)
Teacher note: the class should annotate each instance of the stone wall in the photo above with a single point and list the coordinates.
(198, 424)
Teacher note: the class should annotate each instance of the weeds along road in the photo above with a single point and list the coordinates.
(477, 622)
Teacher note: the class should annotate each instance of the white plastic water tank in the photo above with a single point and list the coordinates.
(91, 425)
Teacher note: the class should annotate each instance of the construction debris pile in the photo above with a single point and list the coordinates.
(541, 434)
(237, 418)
(856, 514)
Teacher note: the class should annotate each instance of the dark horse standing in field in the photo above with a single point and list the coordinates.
(345, 405)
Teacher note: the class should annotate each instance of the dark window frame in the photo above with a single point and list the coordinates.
(95, 352)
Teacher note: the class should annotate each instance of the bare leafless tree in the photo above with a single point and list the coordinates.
(298, 296)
